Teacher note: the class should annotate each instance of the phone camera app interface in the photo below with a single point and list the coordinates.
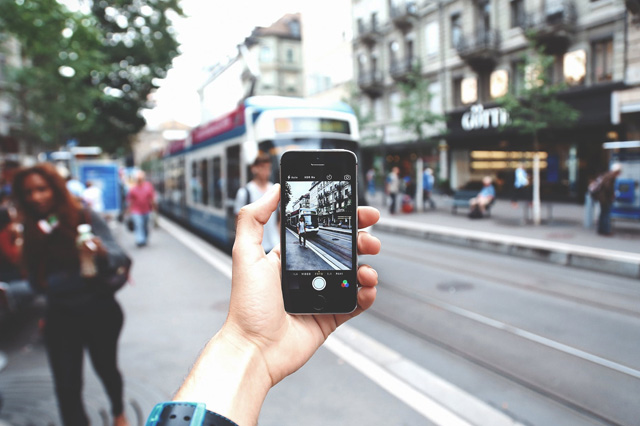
(319, 225)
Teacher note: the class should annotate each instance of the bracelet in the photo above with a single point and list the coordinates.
(185, 414)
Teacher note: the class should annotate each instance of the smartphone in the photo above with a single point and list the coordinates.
(319, 229)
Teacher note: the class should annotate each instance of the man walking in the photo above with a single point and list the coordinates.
(604, 192)
(427, 187)
(302, 233)
(141, 202)
(393, 188)
(253, 191)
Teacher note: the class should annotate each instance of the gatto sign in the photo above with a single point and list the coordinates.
(479, 118)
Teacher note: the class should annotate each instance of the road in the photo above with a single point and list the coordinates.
(325, 250)
(456, 336)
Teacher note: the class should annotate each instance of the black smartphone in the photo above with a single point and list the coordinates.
(319, 229)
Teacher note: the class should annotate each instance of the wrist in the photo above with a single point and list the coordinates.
(230, 377)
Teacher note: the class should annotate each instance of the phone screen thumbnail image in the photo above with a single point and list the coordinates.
(319, 225)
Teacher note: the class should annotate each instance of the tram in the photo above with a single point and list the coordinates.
(200, 175)
(310, 220)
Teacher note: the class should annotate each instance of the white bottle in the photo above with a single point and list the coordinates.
(87, 250)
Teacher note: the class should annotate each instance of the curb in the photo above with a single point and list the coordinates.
(602, 260)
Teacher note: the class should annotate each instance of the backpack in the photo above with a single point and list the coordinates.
(595, 187)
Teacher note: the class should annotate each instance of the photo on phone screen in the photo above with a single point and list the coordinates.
(319, 230)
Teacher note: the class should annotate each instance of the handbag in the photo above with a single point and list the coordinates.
(130, 224)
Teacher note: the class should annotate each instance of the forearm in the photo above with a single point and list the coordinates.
(230, 377)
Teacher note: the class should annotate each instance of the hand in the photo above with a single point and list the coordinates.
(260, 343)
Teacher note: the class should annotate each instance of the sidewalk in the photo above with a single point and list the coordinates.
(560, 238)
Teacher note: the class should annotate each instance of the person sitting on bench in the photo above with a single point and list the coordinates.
(486, 195)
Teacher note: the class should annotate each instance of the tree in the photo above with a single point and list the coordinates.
(417, 116)
(537, 109)
(88, 75)
(287, 194)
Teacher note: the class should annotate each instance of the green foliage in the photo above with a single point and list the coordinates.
(111, 59)
(287, 194)
(538, 107)
(416, 105)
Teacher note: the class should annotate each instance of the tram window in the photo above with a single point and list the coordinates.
(196, 189)
(204, 182)
(233, 170)
(217, 182)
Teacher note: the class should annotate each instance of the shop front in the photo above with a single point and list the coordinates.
(479, 145)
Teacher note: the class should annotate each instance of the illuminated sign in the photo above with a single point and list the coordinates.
(311, 124)
(479, 118)
(499, 83)
(501, 160)
(469, 90)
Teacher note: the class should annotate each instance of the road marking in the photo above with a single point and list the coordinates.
(429, 395)
(331, 261)
(534, 337)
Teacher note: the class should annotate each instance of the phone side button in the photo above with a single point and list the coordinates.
(319, 302)
(319, 283)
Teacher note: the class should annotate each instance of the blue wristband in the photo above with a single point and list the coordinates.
(185, 414)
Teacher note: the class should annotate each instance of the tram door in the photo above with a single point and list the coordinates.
(233, 184)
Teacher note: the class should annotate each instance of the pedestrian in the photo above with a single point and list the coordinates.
(302, 232)
(603, 191)
(485, 197)
(428, 182)
(520, 184)
(371, 181)
(253, 191)
(260, 344)
(82, 312)
(92, 197)
(75, 187)
(393, 187)
(141, 202)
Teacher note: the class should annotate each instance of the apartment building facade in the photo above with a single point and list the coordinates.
(472, 52)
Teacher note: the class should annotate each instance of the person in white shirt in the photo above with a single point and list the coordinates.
(253, 191)
(302, 233)
(92, 196)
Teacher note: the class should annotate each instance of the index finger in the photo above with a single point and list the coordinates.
(367, 216)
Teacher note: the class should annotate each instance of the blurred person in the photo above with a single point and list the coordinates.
(255, 189)
(302, 232)
(92, 197)
(260, 344)
(604, 192)
(81, 312)
(141, 201)
(393, 187)
(371, 181)
(10, 244)
(428, 182)
(486, 195)
(520, 184)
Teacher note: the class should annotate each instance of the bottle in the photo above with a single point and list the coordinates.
(87, 249)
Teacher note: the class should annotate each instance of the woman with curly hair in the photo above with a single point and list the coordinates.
(81, 312)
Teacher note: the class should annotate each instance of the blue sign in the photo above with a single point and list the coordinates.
(106, 177)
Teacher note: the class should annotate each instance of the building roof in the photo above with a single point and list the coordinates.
(287, 27)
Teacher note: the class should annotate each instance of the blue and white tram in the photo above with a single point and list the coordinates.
(203, 173)
(310, 217)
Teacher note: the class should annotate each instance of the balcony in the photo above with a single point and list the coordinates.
(480, 50)
(368, 33)
(371, 83)
(554, 25)
(401, 68)
(403, 16)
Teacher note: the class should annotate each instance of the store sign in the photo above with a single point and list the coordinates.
(479, 118)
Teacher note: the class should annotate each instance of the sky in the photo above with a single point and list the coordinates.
(207, 35)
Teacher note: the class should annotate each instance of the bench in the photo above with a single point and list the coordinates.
(461, 199)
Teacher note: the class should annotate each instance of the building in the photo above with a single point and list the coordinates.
(279, 56)
(471, 52)
(10, 125)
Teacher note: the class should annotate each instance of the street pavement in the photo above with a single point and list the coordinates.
(561, 237)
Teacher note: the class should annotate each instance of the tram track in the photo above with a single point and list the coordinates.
(441, 334)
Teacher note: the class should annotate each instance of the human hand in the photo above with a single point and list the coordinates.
(260, 343)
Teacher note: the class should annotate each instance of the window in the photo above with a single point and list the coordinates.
(432, 34)
(233, 170)
(435, 102)
(290, 55)
(294, 28)
(457, 91)
(456, 29)
(196, 189)
(394, 102)
(602, 60)
(216, 172)
(394, 49)
(204, 182)
(517, 13)
(517, 80)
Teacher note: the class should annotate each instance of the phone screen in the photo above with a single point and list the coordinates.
(319, 231)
